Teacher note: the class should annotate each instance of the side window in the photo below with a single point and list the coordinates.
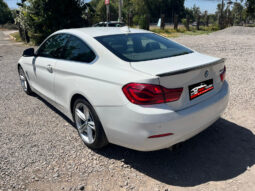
(77, 50)
(54, 46)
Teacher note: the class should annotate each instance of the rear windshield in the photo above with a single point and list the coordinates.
(142, 46)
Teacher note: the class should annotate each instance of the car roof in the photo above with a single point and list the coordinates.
(114, 22)
(103, 31)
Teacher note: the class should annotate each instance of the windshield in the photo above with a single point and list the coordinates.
(142, 46)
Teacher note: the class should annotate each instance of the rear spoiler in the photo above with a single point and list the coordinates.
(193, 68)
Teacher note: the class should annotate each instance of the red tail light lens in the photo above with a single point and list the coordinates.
(172, 94)
(146, 94)
(160, 135)
(223, 74)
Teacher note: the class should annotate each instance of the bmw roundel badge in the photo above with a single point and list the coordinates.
(206, 73)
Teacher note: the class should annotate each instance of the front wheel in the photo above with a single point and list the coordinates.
(88, 125)
(24, 82)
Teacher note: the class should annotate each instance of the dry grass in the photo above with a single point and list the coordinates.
(170, 32)
(16, 36)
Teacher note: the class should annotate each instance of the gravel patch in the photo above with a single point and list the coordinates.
(236, 30)
(41, 150)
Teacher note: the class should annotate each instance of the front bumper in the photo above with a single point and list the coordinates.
(131, 125)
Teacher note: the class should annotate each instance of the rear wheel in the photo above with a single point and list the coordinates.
(88, 125)
(24, 82)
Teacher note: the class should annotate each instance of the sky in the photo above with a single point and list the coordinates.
(209, 5)
(12, 3)
(205, 5)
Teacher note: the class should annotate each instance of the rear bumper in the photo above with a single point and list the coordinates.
(131, 125)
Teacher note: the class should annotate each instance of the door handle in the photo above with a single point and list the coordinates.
(49, 68)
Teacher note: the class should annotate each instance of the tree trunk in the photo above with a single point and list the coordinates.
(129, 18)
(219, 21)
(187, 24)
(162, 24)
(198, 21)
(20, 32)
(221, 17)
(207, 20)
(147, 18)
(175, 22)
(144, 22)
(27, 38)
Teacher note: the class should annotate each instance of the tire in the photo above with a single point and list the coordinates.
(23, 80)
(88, 125)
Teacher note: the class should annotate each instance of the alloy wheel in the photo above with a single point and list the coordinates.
(85, 123)
(23, 79)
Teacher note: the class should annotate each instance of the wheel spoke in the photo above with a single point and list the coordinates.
(86, 113)
(80, 114)
(25, 85)
(82, 128)
(91, 124)
(90, 134)
(22, 78)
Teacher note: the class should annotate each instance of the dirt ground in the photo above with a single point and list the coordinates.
(41, 150)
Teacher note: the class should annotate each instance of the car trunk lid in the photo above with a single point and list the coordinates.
(197, 74)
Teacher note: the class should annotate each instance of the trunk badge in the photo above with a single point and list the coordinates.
(206, 73)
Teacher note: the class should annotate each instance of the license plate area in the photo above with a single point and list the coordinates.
(200, 88)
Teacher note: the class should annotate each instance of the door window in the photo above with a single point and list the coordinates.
(54, 46)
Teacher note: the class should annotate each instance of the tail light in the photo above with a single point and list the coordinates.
(160, 135)
(146, 94)
(223, 74)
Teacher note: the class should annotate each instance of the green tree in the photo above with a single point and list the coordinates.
(5, 13)
(43, 17)
(224, 13)
(189, 13)
(196, 12)
(100, 9)
(220, 14)
(237, 12)
(141, 10)
(196, 15)
(250, 4)
(206, 18)
(171, 10)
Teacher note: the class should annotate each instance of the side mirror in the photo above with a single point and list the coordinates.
(29, 52)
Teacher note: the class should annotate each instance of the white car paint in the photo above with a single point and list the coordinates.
(101, 82)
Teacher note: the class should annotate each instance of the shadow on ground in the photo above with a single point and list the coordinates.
(54, 109)
(221, 152)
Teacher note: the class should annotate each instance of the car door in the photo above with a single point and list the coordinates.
(44, 63)
(76, 63)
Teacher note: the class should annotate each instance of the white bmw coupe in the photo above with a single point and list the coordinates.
(126, 86)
